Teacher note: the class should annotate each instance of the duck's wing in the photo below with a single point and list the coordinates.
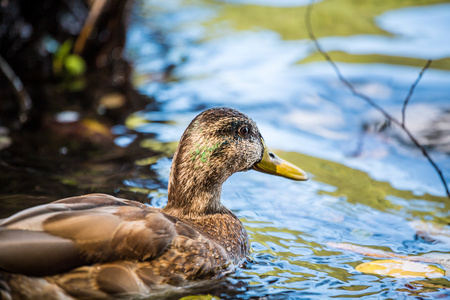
(69, 233)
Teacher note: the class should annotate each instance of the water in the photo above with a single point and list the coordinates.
(368, 187)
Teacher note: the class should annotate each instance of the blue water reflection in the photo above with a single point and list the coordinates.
(418, 32)
(304, 108)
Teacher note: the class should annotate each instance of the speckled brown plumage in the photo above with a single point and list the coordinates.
(98, 246)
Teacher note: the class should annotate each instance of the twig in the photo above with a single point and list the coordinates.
(369, 100)
(411, 91)
(22, 95)
(94, 13)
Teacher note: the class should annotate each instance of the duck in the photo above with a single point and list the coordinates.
(98, 246)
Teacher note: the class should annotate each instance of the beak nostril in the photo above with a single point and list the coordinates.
(272, 164)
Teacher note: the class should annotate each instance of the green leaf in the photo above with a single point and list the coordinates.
(64, 50)
(75, 64)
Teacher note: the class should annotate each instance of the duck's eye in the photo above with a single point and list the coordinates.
(243, 131)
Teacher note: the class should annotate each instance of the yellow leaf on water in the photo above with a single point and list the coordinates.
(94, 127)
(135, 120)
(112, 100)
(400, 269)
(200, 297)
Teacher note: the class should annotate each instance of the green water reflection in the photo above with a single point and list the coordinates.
(330, 18)
(358, 187)
(441, 64)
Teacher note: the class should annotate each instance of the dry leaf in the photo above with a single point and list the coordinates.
(400, 269)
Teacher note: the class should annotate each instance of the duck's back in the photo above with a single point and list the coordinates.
(97, 245)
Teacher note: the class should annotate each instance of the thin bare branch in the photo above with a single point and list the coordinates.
(411, 91)
(16, 84)
(370, 100)
(95, 12)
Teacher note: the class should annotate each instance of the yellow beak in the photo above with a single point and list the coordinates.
(272, 164)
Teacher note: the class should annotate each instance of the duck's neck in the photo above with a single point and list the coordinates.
(195, 184)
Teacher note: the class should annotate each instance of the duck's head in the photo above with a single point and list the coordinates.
(216, 144)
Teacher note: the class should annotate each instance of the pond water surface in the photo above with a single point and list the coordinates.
(369, 185)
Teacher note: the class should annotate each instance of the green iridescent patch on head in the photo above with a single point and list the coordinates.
(203, 153)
